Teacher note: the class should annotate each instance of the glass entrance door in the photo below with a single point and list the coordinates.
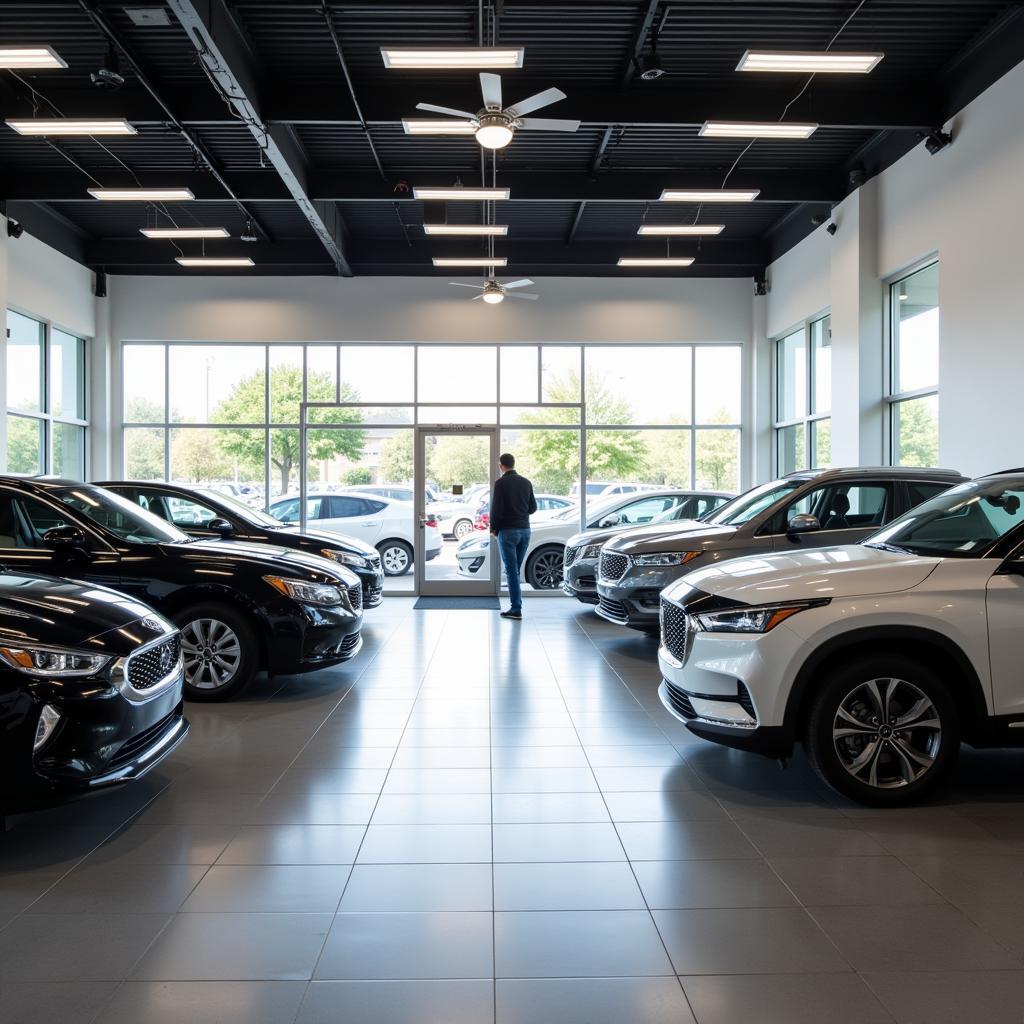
(455, 553)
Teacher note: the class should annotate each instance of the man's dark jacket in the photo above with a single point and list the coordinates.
(512, 502)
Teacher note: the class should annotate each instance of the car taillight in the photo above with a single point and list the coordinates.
(430, 522)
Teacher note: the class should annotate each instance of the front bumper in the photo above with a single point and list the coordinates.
(474, 565)
(580, 581)
(304, 638)
(432, 554)
(373, 586)
(627, 606)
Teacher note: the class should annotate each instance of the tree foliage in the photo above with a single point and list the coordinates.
(459, 460)
(24, 445)
(918, 432)
(357, 475)
(718, 451)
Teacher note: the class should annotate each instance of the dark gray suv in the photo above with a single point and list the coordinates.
(814, 508)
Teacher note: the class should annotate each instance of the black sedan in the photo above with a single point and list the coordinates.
(203, 512)
(240, 607)
(90, 688)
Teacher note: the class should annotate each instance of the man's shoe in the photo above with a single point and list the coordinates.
(512, 615)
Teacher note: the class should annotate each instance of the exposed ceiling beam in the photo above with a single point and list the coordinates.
(639, 38)
(226, 55)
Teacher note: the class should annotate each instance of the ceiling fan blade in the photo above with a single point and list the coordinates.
(475, 297)
(523, 295)
(490, 86)
(464, 114)
(521, 282)
(549, 124)
(532, 103)
(459, 284)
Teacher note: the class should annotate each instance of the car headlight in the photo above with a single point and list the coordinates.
(666, 558)
(591, 552)
(752, 620)
(345, 558)
(53, 661)
(307, 593)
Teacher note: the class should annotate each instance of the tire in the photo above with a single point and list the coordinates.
(544, 568)
(462, 528)
(883, 765)
(234, 650)
(395, 557)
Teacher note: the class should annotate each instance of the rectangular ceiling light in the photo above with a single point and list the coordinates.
(481, 57)
(756, 130)
(214, 261)
(710, 195)
(71, 126)
(415, 126)
(29, 58)
(142, 195)
(185, 232)
(482, 261)
(458, 192)
(466, 229)
(680, 229)
(655, 261)
(809, 61)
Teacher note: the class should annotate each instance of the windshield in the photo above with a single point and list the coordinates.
(243, 511)
(752, 503)
(118, 515)
(963, 522)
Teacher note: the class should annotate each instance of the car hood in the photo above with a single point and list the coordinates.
(62, 613)
(335, 540)
(853, 570)
(684, 535)
(601, 536)
(230, 555)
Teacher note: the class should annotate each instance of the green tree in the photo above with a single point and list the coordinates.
(197, 457)
(917, 432)
(144, 448)
(459, 460)
(357, 475)
(246, 404)
(668, 457)
(718, 456)
(396, 458)
(24, 445)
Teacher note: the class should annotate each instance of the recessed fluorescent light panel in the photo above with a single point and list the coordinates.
(29, 58)
(655, 261)
(489, 261)
(756, 130)
(710, 195)
(680, 229)
(484, 58)
(457, 192)
(214, 261)
(810, 61)
(466, 229)
(71, 126)
(185, 232)
(142, 195)
(420, 126)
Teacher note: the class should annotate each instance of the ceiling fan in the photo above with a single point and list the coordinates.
(495, 125)
(493, 291)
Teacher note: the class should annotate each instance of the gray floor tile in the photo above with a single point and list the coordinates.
(544, 780)
(314, 809)
(424, 844)
(331, 780)
(589, 943)
(443, 757)
(557, 842)
(398, 1002)
(294, 844)
(683, 884)
(566, 886)
(204, 1002)
(622, 780)
(138, 843)
(592, 1001)
(823, 836)
(526, 808)
(783, 999)
(542, 737)
(977, 879)
(664, 805)
(386, 888)
(236, 947)
(180, 807)
(945, 997)
(684, 840)
(62, 1002)
(129, 888)
(401, 946)
(437, 780)
(758, 941)
(643, 756)
(433, 809)
(269, 889)
(539, 757)
(853, 881)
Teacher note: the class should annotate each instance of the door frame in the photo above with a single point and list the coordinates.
(449, 588)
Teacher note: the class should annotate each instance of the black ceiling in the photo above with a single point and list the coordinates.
(248, 103)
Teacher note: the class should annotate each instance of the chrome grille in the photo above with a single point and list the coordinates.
(674, 629)
(355, 596)
(154, 664)
(614, 610)
(569, 556)
(374, 561)
(679, 700)
(612, 566)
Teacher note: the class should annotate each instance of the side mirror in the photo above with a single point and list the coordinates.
(804, 523)
(220, 525)
(612, 520)
(64, 537)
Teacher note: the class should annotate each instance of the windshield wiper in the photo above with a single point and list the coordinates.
(884, 546)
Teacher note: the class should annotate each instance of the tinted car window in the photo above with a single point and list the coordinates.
(371, 507)
(838, 507)
(341, 506)
(183, 512)
(288, 511)
(121, 517)
(23, 521)
(751, 504)
(644, 510)
(918, 492)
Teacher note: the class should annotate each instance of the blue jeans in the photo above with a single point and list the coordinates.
(513, 544)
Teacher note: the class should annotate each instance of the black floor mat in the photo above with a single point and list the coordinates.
(456, 603)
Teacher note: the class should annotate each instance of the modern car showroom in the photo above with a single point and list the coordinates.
(511, 512)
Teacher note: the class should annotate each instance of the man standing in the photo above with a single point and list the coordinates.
(512, 504)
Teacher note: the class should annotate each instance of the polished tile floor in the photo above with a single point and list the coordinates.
(482, 821)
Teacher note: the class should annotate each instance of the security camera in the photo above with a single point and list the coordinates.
(832, 228)
(818, 219)
(937, 140)
(14, 229)
(109, 76)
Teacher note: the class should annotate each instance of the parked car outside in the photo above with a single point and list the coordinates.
(397, 491)
(547, 506)
(808, 509)
(201, 512)
(607, 489)
(90, 688)
(879, 658)
(385, 523)
(240, 607)
(579, 569)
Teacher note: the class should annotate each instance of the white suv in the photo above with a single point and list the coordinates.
(879, 657)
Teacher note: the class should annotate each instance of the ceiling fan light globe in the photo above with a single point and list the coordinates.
(493, 296)
(494, 133)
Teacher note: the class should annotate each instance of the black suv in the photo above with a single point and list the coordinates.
(240, 607)
(90, 688)
(203, 512)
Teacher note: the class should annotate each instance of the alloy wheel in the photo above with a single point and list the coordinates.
(887, 733)
(548, 570)
(212, 653)
(463, 528)
(396, 560)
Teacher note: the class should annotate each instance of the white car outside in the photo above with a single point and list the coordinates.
(385, 523)
(879, 657)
